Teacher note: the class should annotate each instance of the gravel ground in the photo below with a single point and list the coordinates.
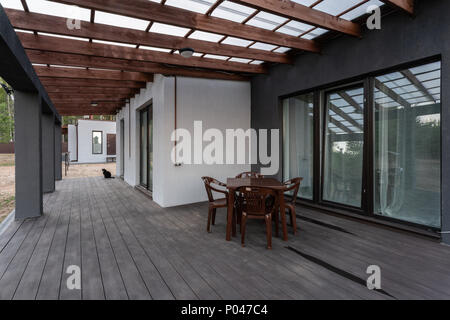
(7, 179)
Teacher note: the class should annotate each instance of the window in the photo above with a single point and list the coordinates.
(344, 146)
(373, 147)
(407, 164)
(298, 148)
(97, 142)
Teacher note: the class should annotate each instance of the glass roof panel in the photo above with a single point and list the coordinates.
(120, 21)
(206, 36)
(263, 46)
(334, 7)
(281, 50)
(214, 56)
(314, 33)
(240, 60)
(361, 10)
(237, 42)
(232, 11)
(24, 31)
(169, 29)
(12, 4)
(59, 10)
(305, 2)
(266, 21)
(295, 28)
(115, 43)
(199, 6)
(61, 36)
(154, 49)
(257, 62)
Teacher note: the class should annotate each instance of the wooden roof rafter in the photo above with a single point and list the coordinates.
(147, 10)
(305, 14)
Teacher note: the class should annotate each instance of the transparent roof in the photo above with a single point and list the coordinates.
(228, 10)
(58, 9)
(120, 21)
(169, 29)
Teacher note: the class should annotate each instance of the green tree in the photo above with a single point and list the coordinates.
(6, 115)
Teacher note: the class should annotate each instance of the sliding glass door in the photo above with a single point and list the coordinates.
(146, 148)
(298, 148)
(407, 164)
(344, 147)
(372, 148)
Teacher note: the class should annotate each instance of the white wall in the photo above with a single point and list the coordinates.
(85, 129)
(219, 104)
(72, 141)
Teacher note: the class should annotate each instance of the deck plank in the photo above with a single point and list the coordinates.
(130, 248)
(29, 283)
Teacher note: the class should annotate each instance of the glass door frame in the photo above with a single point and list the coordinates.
(366, 146)
(368, 180)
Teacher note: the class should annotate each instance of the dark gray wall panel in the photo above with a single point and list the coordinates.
(48, 152)
(58, 152)
(28, 155)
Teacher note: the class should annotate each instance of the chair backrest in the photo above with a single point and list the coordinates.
(293, 185)
(244, 175)
(209, 188)
(258, 200)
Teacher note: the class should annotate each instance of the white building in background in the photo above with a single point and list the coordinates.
(92, 141)
(145, 126)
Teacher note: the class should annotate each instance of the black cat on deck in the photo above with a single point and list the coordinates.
(107, 174)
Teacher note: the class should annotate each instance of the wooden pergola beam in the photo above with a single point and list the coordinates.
(130, 57)
(87, 101)
(147, 10)
(65, 82)
(88, 30)
(406, 5)
(90, 90)
(83, 112)
(75, 73)
(131, 67)
(89, 96)
(298, 12)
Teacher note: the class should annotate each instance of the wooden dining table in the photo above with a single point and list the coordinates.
(235, 183)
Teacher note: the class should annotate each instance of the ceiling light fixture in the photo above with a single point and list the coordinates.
(187, 52)
(94, 104)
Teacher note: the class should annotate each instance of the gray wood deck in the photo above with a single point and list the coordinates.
(129, 248)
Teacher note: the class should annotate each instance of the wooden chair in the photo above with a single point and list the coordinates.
(244, 175)
(214, 204)
(258, 203)
(292, 185)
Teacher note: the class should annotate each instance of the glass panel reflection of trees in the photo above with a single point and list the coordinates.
(408, 145)
(344, 145)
